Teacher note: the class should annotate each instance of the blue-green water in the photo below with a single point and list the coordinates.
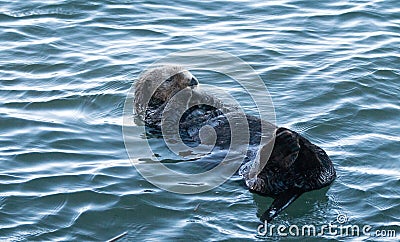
(332, 68)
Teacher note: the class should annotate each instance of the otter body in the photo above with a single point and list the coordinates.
(294, 166)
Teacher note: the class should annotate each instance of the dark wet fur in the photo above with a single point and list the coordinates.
(294, 167)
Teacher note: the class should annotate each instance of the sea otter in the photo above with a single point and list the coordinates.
(294, 166)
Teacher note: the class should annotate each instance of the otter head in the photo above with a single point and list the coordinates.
(158, 85)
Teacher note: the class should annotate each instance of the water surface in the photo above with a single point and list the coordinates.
(332, 68)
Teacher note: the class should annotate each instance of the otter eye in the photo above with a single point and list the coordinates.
(169, 79)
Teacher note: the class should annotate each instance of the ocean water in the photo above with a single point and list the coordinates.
(332, 69)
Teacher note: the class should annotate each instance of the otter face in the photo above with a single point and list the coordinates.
(161, 84)
(173, 84)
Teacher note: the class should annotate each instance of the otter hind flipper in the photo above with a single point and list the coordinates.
(281, 202)
(286, 148)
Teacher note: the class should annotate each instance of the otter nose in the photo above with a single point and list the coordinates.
(193, 82)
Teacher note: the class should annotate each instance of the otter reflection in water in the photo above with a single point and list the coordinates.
(294, 166)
